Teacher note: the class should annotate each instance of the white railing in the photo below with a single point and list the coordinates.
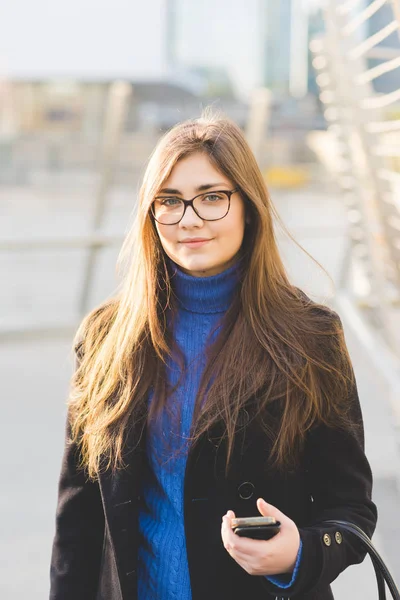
(364, 125)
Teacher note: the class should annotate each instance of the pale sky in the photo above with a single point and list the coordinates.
(103, 39)
(82, 38)
(315, 3)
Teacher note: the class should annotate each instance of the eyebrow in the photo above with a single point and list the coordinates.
(200, 188)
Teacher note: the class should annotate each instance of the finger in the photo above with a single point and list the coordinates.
(229, 537)
(227, 530)
(242, 545)
(269, 510)
(250, 547)
(227, 520)
(229, 516)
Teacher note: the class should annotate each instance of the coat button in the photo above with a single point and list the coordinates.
(246, 490)
(327, 539)
(338, 537)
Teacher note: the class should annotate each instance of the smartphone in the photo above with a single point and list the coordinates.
(256, 528)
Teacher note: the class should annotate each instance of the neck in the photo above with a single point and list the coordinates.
(210, 294)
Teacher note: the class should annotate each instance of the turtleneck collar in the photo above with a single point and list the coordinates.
(211, 294)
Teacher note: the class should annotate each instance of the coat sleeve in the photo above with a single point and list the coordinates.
(78, 540)
(339, 482)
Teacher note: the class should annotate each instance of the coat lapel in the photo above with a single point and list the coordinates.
(120, 490)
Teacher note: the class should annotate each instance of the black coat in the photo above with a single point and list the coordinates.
(95, 547)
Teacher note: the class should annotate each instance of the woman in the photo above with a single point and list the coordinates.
(208, 387)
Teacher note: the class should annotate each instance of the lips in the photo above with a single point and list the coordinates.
(195, 242)
(190, 240)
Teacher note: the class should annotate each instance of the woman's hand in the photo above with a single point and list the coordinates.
(258, 557)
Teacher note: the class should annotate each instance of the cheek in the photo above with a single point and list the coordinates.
(165, 235)
(233, 229)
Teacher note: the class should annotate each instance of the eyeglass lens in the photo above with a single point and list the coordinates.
(210, 207)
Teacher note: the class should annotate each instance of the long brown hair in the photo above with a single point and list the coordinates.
(276, 346)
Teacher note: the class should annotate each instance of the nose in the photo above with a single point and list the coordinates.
(190, 219)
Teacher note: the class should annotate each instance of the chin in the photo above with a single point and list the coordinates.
(193, 263)
(199, 267)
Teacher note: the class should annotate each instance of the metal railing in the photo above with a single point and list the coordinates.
(117, 105)
(366, 127)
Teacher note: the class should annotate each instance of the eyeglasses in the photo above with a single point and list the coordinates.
(209, 206)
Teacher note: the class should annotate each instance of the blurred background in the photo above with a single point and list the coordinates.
(86, 89)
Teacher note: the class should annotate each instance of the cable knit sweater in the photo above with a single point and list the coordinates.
(162, 567)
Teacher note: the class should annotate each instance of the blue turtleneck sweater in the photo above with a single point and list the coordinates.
(162, 567)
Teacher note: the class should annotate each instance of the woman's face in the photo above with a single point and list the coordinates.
(222, 238)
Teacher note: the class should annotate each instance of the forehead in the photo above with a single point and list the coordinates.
(194, 171)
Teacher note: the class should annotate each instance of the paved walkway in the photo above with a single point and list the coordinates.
(43, 290)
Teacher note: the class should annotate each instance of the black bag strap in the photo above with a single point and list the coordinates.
(382, 572)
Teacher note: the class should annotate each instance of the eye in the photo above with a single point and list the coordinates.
(172, 201)
(214, 197)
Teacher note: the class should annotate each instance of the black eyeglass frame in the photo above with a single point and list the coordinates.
(190, 203)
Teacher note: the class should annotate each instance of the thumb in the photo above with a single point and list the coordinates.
(268, 510)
